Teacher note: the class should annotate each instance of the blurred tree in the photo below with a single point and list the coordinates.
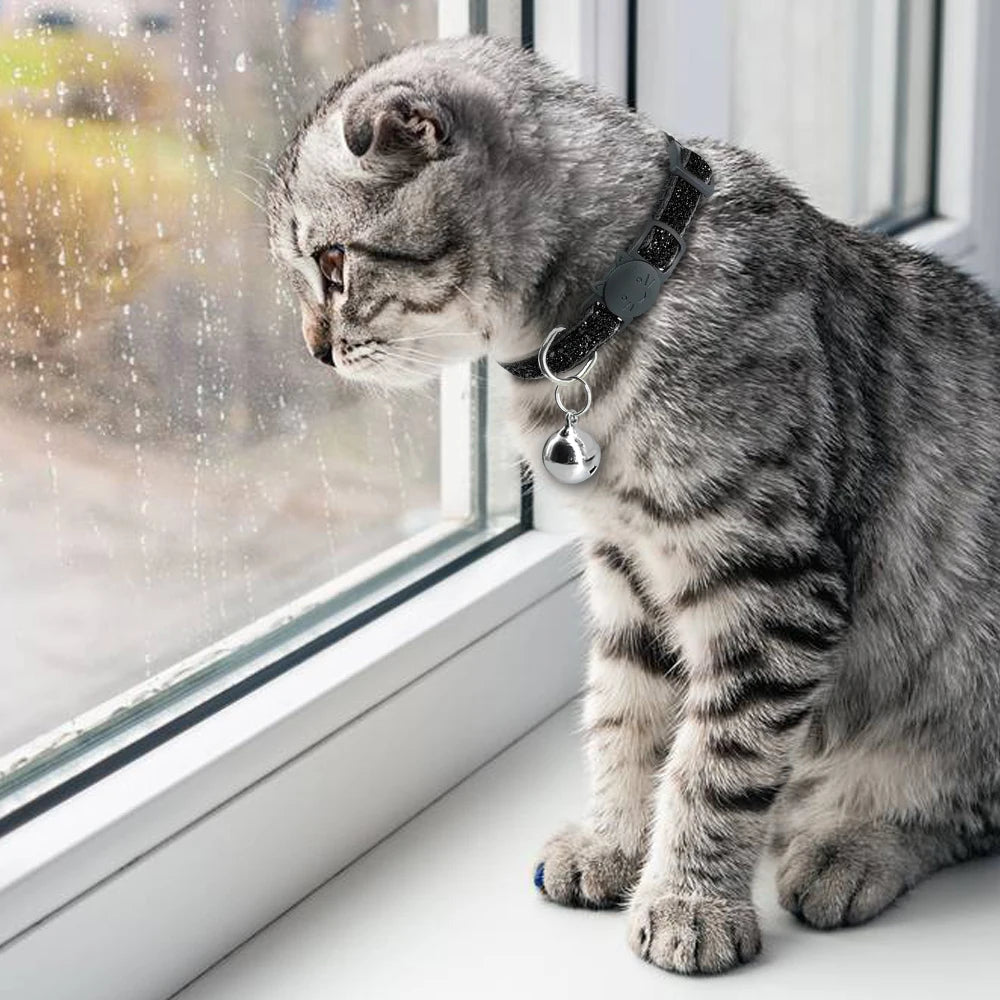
(94, 185)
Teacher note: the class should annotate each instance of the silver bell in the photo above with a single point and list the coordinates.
(571, 455)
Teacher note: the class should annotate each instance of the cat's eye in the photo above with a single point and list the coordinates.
(331, 265)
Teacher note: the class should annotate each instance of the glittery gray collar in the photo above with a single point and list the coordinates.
(630, 288)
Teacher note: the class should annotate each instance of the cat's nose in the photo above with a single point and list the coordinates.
(316, 333)
(324, 353)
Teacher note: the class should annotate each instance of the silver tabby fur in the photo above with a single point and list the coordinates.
(793, 544)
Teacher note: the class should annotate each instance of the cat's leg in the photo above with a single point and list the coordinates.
(857, 828)
(629, 716)
(757, 635)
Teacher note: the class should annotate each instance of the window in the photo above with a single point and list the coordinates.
(839, 96)
(234, 820)
(187, 500)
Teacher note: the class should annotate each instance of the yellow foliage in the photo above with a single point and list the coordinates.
(88, 203)
(85, 207)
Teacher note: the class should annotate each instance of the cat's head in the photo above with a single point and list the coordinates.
(396, 212)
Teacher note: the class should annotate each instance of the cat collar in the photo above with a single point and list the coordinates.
(628, 290)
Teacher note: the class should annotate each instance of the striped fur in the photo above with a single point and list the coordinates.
(793, 544)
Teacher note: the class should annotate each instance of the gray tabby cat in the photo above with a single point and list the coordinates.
(794, 541)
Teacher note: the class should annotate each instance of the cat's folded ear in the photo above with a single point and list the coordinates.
(395, 126)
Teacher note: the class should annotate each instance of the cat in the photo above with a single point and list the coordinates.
(793, 542)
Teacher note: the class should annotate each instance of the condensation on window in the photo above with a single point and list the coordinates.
(173, 464)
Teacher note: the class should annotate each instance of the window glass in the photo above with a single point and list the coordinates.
(174, 467)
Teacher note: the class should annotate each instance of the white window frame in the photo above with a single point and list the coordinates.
(136, 884)
(693, 43)
(967, 231)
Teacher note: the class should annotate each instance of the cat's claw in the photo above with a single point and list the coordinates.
(579, 868)
(540, 876)
(687, 934)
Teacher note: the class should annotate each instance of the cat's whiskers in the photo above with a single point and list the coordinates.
(421, 363)
(428, 336)
(253, 201)
(416, 352)
(419, 359)
(438, 360)
(250, 177)
(393, 365)
(463, 292)
(268, 168)
(434, 368)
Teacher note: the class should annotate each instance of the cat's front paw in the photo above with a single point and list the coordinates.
(692, 934)
(842, 878)
(579, 868)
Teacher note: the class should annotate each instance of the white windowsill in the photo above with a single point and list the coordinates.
(295, 779)
(947, 237)
(445, 908)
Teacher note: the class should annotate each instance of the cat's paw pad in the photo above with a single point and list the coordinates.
(841, 879)
(693, 934)
(578, 868)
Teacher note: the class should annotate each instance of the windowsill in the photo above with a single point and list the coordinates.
(445, 908)
(949, 238)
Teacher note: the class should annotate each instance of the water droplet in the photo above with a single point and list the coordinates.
(241, 62)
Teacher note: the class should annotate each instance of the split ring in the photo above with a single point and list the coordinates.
(562, 406)
(543, 363)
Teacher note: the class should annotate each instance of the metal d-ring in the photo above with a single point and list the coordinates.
(573, 414)
(543, 363)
